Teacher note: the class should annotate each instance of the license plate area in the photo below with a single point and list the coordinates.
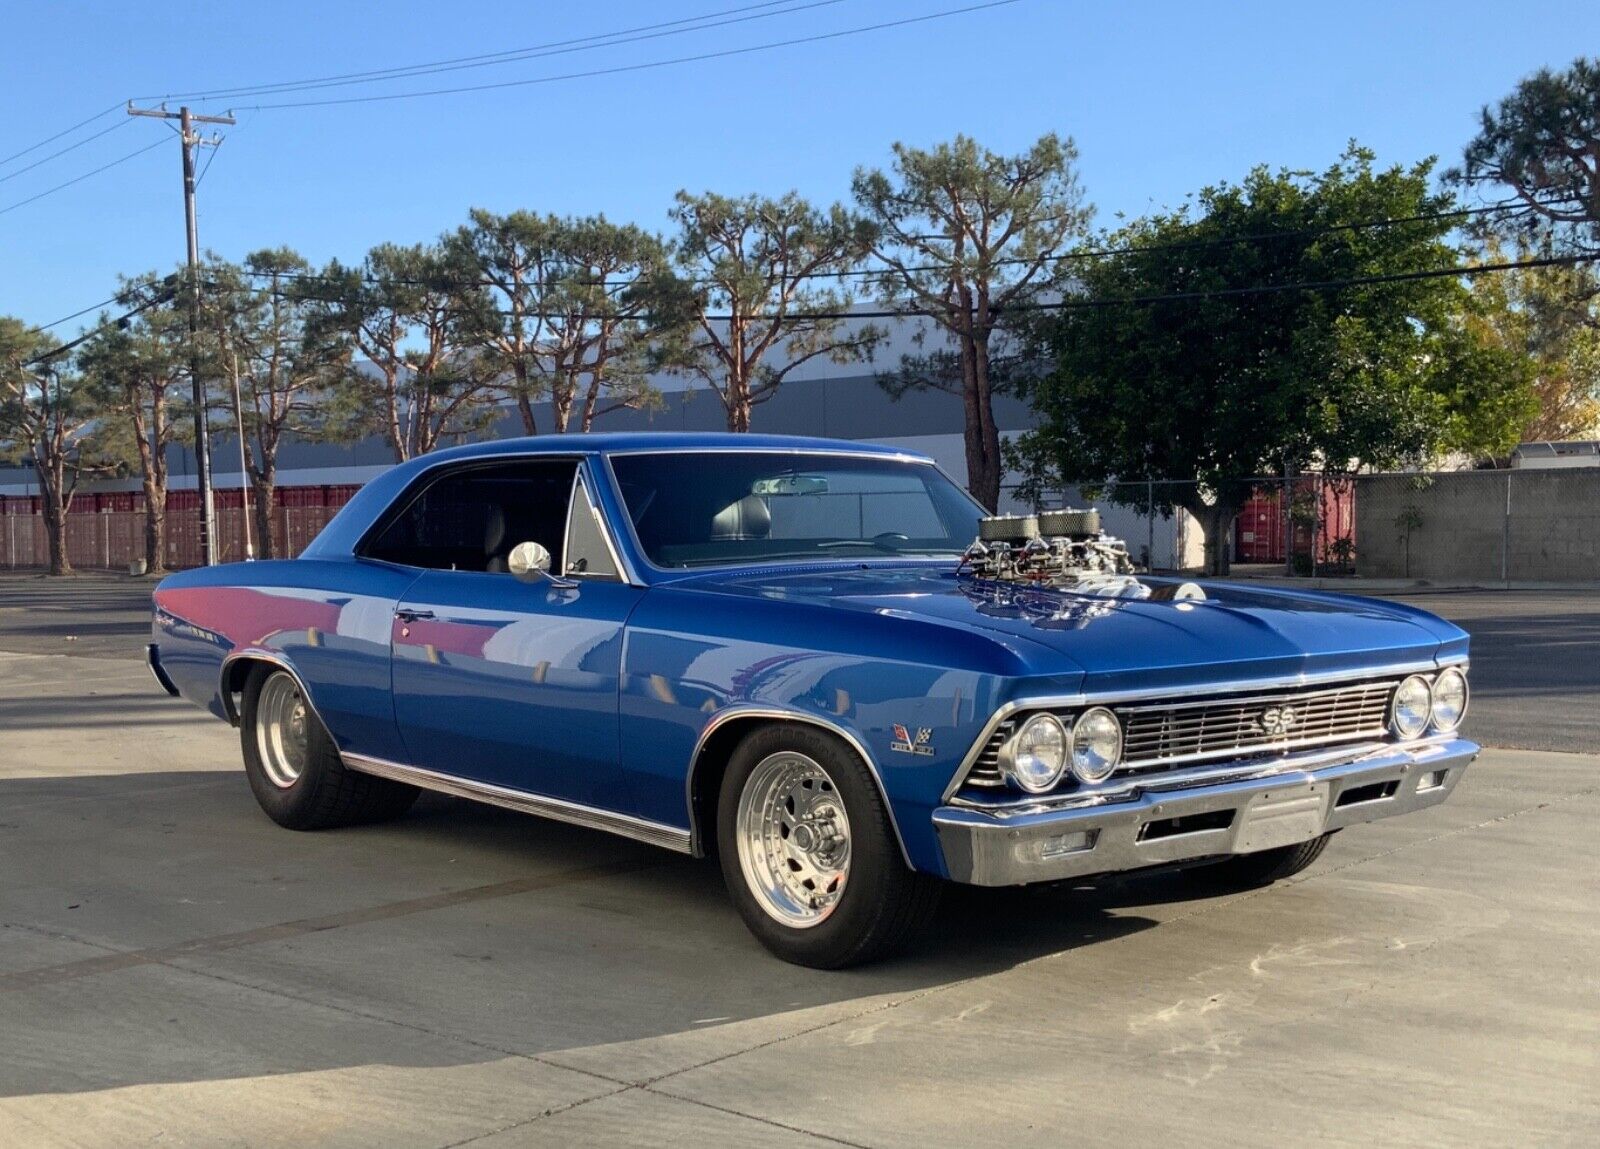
(1282, 817)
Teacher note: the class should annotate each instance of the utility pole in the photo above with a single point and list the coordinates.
(202, 438)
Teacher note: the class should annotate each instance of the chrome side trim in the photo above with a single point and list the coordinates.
(1210, 689)
(574, 813)
(723, 717)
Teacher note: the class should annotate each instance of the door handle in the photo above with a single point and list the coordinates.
(412, 615)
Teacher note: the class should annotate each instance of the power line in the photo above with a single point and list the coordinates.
(76, 314)
(80, 179)
(63, 132)
(889, 272)
(63, 151)
(536, 51)
(1055, 305)
(649, 65)
(909, 311)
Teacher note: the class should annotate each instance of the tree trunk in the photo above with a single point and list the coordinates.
(155, 527)
(525, 409)
(1217, 523)
(265, 490)
(55, 524)
(982, 436)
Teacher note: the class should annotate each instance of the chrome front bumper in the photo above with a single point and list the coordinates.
(1157, 821)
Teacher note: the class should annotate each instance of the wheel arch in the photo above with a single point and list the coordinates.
(236, 670)
(723, 733)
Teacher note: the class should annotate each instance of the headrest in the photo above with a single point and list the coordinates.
(494, 529)
(749, 518)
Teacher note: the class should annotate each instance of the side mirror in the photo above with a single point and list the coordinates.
(528, 562)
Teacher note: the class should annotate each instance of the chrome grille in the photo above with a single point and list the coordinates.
(1160, 735)
(1163, 735)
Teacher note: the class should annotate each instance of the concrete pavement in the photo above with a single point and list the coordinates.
(174, 969)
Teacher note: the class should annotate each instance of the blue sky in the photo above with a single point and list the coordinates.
(1161, 97)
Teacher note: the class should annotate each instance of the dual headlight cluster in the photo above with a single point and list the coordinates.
(1420, 705)
(1036, 757)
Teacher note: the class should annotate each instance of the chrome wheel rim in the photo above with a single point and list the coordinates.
(282, 730)
(793, 839)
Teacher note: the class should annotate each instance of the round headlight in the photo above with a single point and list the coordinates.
(1096, 745)
(1035, 757)
(1413, 706)
(1449, 699)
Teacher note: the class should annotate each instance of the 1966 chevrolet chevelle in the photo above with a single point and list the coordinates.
(819, 661)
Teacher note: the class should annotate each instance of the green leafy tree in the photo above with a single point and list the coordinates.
(763, 303)
(578, 302)
(261, 320)
(48, 417)
(1550, 317)
(1195, 354)
(513, 256)
(139, 373)
(1542, 143)
(415, 314)
(965, 236)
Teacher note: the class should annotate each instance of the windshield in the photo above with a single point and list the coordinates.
(709, 508)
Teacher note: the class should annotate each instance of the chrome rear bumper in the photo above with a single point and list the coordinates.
(1163, 821)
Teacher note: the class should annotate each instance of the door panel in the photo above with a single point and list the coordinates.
(514, 683)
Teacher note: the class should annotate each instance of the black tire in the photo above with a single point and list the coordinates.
(325, 794)
(883, 904)
(1250, 871)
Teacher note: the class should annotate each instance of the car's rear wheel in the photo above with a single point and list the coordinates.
(1248, 871)
(809, 854)
(294, 767)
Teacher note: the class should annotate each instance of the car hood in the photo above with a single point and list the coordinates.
(1234, 633)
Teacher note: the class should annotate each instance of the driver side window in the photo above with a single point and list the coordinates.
(469, 519)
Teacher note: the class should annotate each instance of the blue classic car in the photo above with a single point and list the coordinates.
(820, 662)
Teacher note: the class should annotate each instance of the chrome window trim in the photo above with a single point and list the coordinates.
(426, 476)
(728, 714)
(1208, 690)
(580, 484)
(523, 801)
(644, 559)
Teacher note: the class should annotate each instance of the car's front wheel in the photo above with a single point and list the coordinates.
(809, 854)
(294, 767)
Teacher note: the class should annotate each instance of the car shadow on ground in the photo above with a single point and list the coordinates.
(168, 900)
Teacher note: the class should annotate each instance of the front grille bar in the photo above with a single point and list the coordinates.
(1160, 736)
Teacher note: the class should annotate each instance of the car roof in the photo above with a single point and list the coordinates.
(610, 442)
(339, 538)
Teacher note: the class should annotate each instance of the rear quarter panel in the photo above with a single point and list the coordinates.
(329, 620)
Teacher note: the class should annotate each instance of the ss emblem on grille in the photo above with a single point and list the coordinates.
(1279, 720)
